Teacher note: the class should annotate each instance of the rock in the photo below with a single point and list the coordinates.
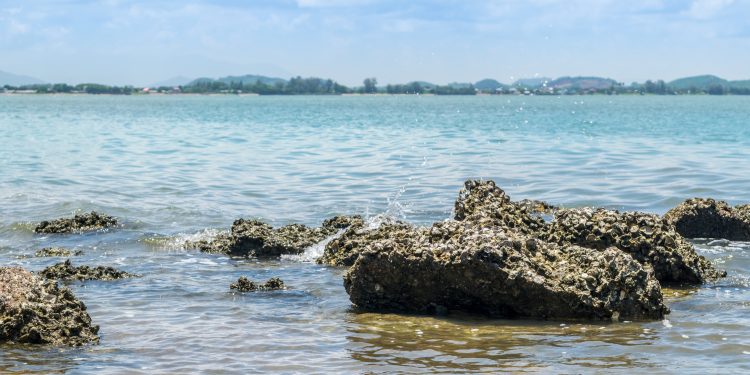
(79, 223)
(254, 238)
(483, 203)
(344, 250)
(37, 311)
(709, 218)
(57, 252)
(66, 271)
(245, 285)
(646, 237)
(457, 265)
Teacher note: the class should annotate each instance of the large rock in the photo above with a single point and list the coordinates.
(79, 223)
(709, 218)
(344, 249)
(37, 311)
(646, 237)
(254, 238)
(66, 271)
(483, 203)
(460, 266)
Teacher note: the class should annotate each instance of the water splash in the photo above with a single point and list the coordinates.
(313, 252)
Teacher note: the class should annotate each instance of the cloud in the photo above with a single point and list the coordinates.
(703, 9)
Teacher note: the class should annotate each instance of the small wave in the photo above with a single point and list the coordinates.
(315, 251)
(177, 242)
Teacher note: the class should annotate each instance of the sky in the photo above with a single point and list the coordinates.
(395, 41)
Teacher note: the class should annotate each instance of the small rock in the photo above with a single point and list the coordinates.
(57, 252)
(709, 218)
(245, 285)
(79, 223)
(66, 271)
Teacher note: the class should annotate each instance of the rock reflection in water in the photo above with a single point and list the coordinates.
(393, 342)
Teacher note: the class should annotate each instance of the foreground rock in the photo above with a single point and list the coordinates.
(709, 218)
(66, 271)
(345, 249)
(648, 238)
(245, 285)
(56, 252)
(79, 223)
(254, 238)
(482, 203)
(460, 266)
(37, 311)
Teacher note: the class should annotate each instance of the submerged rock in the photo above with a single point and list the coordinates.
(66, 271)
(709, 218)
(251, 238)
(57, 252)
(78, 223)
(245, 285)
(646, 237)
(457, 265)
(37, 311)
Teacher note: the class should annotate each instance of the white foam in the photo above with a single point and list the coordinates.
(315, 251)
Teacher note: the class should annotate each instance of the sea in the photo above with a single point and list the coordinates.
(177, 168)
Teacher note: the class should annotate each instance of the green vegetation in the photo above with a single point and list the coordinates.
(261, 85)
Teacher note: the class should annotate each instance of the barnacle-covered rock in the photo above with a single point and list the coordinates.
(66, 271)
(57, 252)
(38, 311)
(484, 204)
(457, 265)
(79, 223)
(709, 218)
(245, 285)
(344, 250)
(646, 237)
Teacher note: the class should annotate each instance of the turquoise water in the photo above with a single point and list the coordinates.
(174, 168)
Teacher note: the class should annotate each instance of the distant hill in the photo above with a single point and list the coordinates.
(740, 84)
(172, 82)
(699, 82)
(17, 80)
(488, 84)
(531, 82)
(423, 84)
(248, 79)
(582, 83)
(459, 85)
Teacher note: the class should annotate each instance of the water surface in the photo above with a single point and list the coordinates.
(185, 167)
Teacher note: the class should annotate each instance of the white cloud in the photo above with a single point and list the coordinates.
(707, 8)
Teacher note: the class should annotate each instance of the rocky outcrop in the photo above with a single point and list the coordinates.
(57, 252)
(254, 238)
(245, 285)
(37, 311)
(79, 223)
(646, 237)
(709, 218)
(66, 271)
(482, 203)
(460, 266)
(344, 249)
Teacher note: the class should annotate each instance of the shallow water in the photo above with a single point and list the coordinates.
(184, 167)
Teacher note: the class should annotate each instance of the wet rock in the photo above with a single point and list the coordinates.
(457, 265)
(485, 204)
(245, 285)
(709, 218)
(79, 223)
(37, 311)
(254, 238)
(57, 252)
(646, 237)
(66, 271)
(344, 250)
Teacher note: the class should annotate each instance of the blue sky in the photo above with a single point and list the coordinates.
(441, 41)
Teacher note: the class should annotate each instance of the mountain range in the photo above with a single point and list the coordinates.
(17, 80)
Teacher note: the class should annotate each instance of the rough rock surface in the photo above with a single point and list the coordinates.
(646, 237)
(255, 238)
(66, 271)
(344, 249)
(484, 204)
(78, 223)
(37, 311)
(459, 265)
(245, 285)
(57, 252)
(709, 218)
